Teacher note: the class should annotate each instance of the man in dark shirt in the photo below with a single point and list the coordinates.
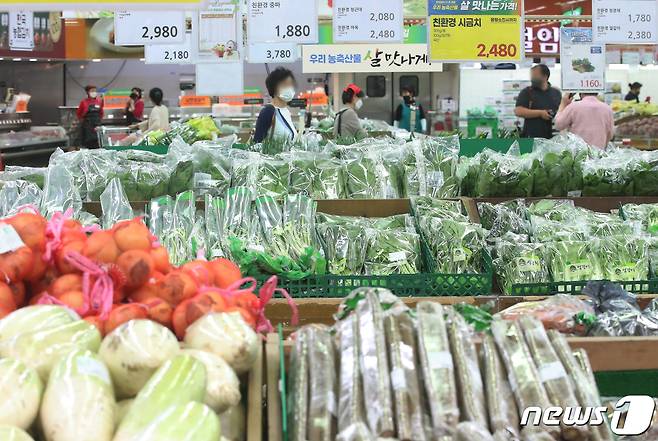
(538, 104)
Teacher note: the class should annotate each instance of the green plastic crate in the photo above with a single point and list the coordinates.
(158, 149)
(575, 287)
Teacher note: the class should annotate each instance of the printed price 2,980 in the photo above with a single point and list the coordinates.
(159, 32)
(278, 54)
(639, 35)
(497, 50)
(291, 31)
(382, 16)
(176, 55)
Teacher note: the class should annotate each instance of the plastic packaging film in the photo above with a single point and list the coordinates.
(467, 369)
(503, 413)
(298, 389)
(322, 384)
(404, 378)
(438, 369)
(523, 375)
(586, 393)
(558, 385)
(471, 431)
(350, 401)
(374, 366)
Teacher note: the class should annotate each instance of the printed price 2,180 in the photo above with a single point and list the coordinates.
(159, 32)
(176, 55)
(291, 31)
(497, 51)
(279, 54)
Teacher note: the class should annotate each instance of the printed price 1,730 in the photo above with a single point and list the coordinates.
(149, 33)
(292, 31)
(278, 54)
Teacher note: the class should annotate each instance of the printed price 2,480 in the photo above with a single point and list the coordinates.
(497, 50)
(159, 32)
(292, 31)
(176, 55)
(386, 34)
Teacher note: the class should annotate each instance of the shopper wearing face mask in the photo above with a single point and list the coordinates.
(90, 114)
(347, 123)
(538, 104)
(275, 120)
(410, 114)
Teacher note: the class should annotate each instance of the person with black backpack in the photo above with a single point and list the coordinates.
(538, 104)
(347, 123)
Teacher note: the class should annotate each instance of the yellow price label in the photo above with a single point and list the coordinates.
(484, 38)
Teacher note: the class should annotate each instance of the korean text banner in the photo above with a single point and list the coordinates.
(58, 5)
(475, 30)
(367, 58)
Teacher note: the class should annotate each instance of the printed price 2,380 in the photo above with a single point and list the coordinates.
(176, 55)
(497, 50)
(159, 32)
(279, 54)
(291, 31)
(639, 35)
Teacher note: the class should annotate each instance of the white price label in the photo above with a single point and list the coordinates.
(274, 53)
(220, 80)
(290, 21)
(366, 21)
(583, 62)
(625, 22)
(21, 31)
(137, 28)
(170, 53)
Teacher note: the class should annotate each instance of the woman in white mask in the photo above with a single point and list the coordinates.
(347, 123)
(275, 120)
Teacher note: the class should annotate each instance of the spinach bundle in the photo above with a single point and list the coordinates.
(456, 246)
(504, 175)
(574, 261)
(518, 263)
(392, 252)
(623, 258)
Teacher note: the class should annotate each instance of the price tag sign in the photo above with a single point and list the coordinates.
(137, 28)
(279, 53)
(367, 21)
(21, 31)
(480, 31)
(220, 34)
(169, 53)
(625, 22)
(583, 62)
(289, 21)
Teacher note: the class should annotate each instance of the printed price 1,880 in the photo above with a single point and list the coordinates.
(497, 50)
(293, 31)
(159, 32)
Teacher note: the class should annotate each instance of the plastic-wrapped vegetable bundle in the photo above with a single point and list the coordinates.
(553, 209)
(115, 205)
(212, 170)
(351, 409)
(176, 233)
(467, 370)
(74, 161)
(609, 175)
(520, 263)
(556, 168)
(503, 414)
(34, 175)
(558, 385)
(584, 386)
(315, 175)
(142, 180)
(17, 194)
(457, 247)
(470, 431)
(344, 248)
(645, 174)
(374, 365)
(431, 207)
(646, 214)
(574, 261)
(546, 230)
(263, 176)
(506, 217)
(437, 370)
(504, 175)
(623, 258)
(409, 408)
(521, 370)
(441, 157)
(298, 390)
(363, 179)
(407, 166)
(392, 252)
(322, 384)
(604, 225)
(213, 217)
(59, 192)
(98, 169)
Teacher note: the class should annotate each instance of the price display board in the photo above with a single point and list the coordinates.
(273, 53)
(170, 53)
(137, 28)
(470, 30)
(625, 22)
(367, 21)
(289, 21)
(21, 31)
(583, 62)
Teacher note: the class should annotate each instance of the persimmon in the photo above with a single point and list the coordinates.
(7, 297)
(101, 247)
(176, 287)
(145, 292)
(64, 284)
(72, 232)
(201, 272)
(73, 299)
(39, 267)
(16, 265)
(225, 272)
(31, 228)
(159, 311)
(161, 259)
(137, 266)
(121, 314)
(18, 291)
(62, 263)
(132, 235)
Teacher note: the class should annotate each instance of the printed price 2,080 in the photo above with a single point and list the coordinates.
(291, 31)
(382, 16)
(159, 32)
(497, 50)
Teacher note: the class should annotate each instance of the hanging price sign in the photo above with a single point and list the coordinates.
(583, 62)
(21, 31)
(625, 22)
(273, 53)
(367, 21)
(482, 31)
(283, 21)
(170, 53)
(137, 28)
